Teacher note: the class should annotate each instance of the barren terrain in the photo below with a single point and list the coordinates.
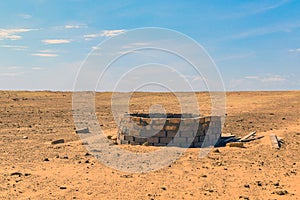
(33, 168)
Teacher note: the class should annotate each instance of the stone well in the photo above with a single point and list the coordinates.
(183, 130)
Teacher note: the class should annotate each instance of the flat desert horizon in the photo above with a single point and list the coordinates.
(32, 167)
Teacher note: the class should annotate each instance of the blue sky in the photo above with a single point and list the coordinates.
(255, 44)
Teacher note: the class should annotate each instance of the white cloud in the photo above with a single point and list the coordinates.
(294, 50)
(251, 77)
(12, 34)
(47, 51)
(15, 47)
(273, 78)
(25, 16)
(36, 68)
(44, 55)
(56, 41)
(110, 33)
(75, 26)
(105, 33)
(11, 74)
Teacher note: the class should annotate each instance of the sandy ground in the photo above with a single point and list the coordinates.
(33, 168)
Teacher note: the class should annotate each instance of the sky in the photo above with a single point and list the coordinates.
(254, 44)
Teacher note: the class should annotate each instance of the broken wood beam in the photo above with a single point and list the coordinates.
(250, 139)
(248, 136)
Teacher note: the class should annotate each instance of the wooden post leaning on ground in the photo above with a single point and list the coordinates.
(274, 141)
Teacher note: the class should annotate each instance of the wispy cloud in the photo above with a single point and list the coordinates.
(11, 74)
(262, 31)
(72, 26)
(235, 56)
(44, 54)
(267, 78)
(37, 68)
(56, 41)
(294, 50)
(25, 16)
(105, 33)
(12, 34)
(47, 51)
(110, 33)
(15, 47)
(268, 7)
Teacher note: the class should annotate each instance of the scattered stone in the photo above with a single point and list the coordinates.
(204, 176)
(87, 161)
(281, 192)
(276, 184)
(46, 159)
(163, 188)
(60, 141)
(244, 197)
(87, 154)
(259, 183)
(25, 137)
(62, 187)
(247, 186)
(109, 137)
(65, 157)
(235, 144)
(216, 151)
(126, 176)
(16, 174)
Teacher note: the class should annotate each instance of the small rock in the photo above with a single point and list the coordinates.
(65, 157)
(216, 151)
(204, 176)
(46, 159)
(87, 161)
(235, 144)
(109, 137)
(126, 176)
(281, 192)
(16, 174)
(259, 183)
(25, 137)
(247, 186)
(87, 154)
(114, 137)
(60, 141)
(244, 197)
(276, 184)
(163, 188)
(62, 187)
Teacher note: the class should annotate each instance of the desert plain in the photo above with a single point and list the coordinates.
(31, 167)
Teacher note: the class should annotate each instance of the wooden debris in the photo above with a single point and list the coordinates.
(248, 136)
(255, 138)
(235, 144)
(60, 141)
(274, 141)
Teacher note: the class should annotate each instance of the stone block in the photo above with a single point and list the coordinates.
(171, 133)
(165, 140)
(170, 127)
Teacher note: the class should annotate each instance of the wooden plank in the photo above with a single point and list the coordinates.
(274, 141)
(250, 139)
(248, 136)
